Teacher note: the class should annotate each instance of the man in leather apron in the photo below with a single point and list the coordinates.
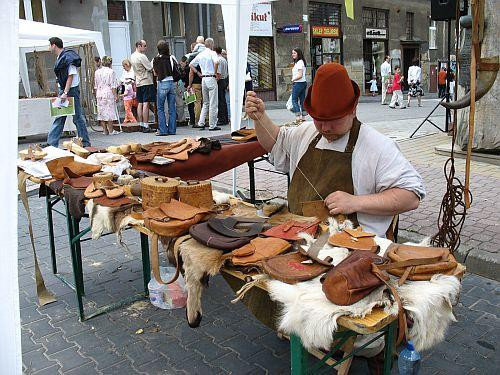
(354, 169)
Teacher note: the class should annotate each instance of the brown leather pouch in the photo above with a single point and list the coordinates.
(56, 167)
(344, 239)
(289, 268)
(419, 262)
(289, 230)
(257, 250)
(352, 279)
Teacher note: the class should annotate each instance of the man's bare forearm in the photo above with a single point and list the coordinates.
(69, 82)
(267, 132)
(387, 203)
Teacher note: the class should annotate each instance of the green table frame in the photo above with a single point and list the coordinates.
(299, 355)
(75, 243)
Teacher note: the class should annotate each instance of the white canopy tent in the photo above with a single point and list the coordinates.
(34, 36)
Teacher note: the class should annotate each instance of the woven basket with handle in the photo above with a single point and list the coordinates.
(196, 193)
(156, 190)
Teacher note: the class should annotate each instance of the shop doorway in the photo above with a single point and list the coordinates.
(374, 52)
(409, 53)
(433, 78)
(325, 50)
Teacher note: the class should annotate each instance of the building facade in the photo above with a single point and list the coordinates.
(401, 29)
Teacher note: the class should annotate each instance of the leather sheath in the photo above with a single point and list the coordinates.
(204, 234)
(259, 249)
(289, 268)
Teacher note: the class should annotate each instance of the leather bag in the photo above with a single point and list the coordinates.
(289, 230)
(292, 267)
(259, 249)
(56, 167)
(352, 279)
(419, 262)
(354, 240)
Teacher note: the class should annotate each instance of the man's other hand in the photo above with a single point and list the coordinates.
(254, 107)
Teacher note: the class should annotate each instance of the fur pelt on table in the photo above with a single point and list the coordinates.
(307, 312)
(108, 219)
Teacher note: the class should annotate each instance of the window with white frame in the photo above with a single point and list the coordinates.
(432, 35)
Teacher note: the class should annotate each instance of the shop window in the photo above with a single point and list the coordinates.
(324, 14)
(260, 58)
(117, 10)
(432, 35)
(36, 10)
(377, 18)
(409, 25)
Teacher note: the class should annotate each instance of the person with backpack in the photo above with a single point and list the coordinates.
(167, 71)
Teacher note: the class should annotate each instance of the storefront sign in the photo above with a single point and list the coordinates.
(290, 29)
(376, 33)
(261, 23)
(325, 31)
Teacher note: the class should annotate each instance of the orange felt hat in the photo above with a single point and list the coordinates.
(332, 95)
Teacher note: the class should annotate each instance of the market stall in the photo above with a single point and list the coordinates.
(34, 114)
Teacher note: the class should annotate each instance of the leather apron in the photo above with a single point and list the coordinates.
(327, 170)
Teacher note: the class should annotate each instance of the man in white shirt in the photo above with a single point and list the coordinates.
(354, 169)
(68, 81)
(209, 64)
(385, 72)
(143, 69)
(414, 80)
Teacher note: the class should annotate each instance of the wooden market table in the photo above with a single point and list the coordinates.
(75, 240)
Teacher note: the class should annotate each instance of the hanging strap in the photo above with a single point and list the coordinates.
(44, 296)
(402, 326)
(155, 260)
(409, 265)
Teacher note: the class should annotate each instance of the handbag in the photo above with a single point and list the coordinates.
(419, 262)
(289, 104)
(292, 267)
(258, 250)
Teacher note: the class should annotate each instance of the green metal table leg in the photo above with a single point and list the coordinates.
(298, 355)
(146, 269)
(390, 340)
(78, 252)
(50, 227)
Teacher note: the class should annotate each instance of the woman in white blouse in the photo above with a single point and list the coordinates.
(299, 84)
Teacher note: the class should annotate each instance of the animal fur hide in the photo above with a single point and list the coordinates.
(106, 219)
(307, 312)
(199, 262)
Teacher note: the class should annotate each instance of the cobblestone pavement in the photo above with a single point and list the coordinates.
(229, 339)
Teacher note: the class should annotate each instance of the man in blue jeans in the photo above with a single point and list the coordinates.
(68, 80)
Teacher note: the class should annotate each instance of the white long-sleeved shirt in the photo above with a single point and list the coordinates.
(385, 69)
(414, 74)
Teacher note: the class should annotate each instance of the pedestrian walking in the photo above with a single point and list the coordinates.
(442, 82)
(105, 85)
(373, 85)
(68, 81)
(164, 65)
(129, 101)
(209, 64)
(222, 85)
(299, 84)
(385, 73)
(414, 79)
(397, 93)
(144, 82)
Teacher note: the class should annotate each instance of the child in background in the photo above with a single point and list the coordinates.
(129, 101)
(397, 94)
(373, 85)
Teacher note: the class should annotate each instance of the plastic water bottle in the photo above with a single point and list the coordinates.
(409, 360)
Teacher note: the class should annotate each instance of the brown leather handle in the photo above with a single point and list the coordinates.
(411, 263)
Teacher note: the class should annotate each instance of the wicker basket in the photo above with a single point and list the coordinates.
(196, 193)
(156, 190)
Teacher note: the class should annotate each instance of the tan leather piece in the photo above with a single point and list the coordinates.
(343, 239)
(56, 167)
(259, 249)
(181, 211)
(173, 227)
(91, 192)
(183, 155)
(316, 209)
(114, 192)
(358, 232)
(117, 202)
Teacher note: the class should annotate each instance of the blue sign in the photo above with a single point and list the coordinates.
(290, 29)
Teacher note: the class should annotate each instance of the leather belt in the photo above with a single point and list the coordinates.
(211, 75)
